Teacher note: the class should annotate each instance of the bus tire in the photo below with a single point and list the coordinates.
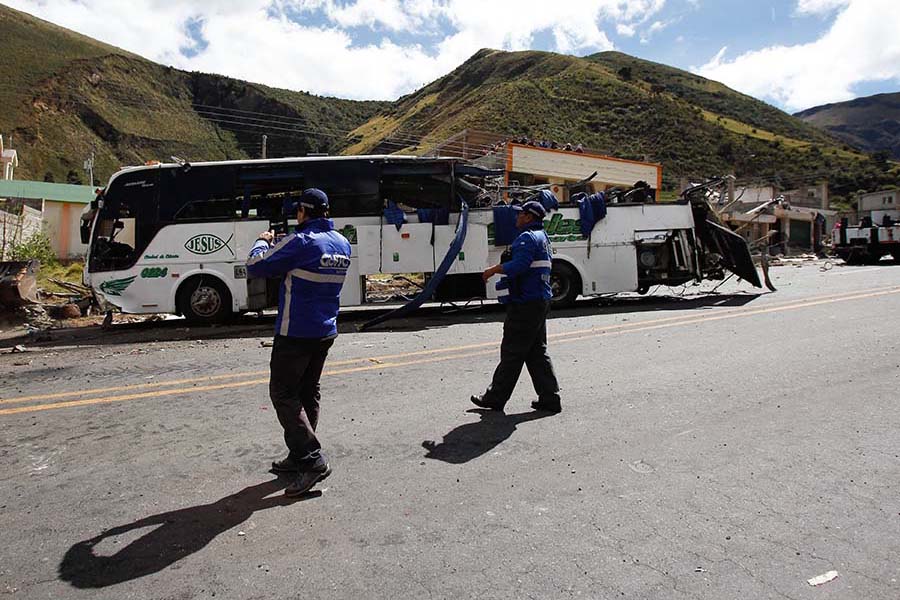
(565, 284)
(204, 299)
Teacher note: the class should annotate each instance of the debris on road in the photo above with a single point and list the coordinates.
(17, 349)
(18, 282)
(266, 343)
(823, 578)
(639, 466)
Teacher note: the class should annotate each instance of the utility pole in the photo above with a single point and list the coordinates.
(265, 139)
(89, 166)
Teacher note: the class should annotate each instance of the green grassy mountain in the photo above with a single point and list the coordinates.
(625, 107)
(871, 123)
(65, 94)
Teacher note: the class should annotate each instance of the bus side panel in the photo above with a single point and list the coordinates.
(408, 249)
(369, 249)
(473, 258)
(611, 269)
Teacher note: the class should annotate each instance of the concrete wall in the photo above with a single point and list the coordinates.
(755, 195)
(62, 222)
(16, 228)
(887, 200)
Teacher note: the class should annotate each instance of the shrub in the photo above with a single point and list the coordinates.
(37, 246)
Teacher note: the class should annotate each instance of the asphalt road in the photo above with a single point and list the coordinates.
(729, 446)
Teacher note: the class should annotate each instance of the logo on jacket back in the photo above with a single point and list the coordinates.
(207, 243)
(334, 261)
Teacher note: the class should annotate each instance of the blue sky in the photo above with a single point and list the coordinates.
(791, 53)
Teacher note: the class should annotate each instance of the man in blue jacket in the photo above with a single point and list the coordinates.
(527, 276)
(312, 262)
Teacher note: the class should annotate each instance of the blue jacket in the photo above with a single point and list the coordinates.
(528, 271)
(313, 262)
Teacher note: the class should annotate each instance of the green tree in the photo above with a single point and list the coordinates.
(37, 246)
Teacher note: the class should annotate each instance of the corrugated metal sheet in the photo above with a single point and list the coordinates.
(41, 190)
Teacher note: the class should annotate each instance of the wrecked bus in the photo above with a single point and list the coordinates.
(174, 238)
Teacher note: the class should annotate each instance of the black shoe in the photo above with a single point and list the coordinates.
(288, 465)
(546, 406)
(479, 401)
(306, 480)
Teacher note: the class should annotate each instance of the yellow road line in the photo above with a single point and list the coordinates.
(572, 337)
(388, 357)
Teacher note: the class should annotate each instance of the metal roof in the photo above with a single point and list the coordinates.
(41, 190)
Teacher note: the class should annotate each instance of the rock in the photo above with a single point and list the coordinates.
(70, 311)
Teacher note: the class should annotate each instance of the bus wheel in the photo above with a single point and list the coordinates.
(204, 300)
(565, 284)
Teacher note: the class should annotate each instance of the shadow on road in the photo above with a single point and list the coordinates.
(429, 317)
(471, 440)
(177, 534)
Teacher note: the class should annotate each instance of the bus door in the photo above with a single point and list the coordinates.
(261, 192)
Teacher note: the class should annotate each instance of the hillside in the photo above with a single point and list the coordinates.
(871, 123)
(68, 94)
(626, 107)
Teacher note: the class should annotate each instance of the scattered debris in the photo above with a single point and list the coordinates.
(823, 578)
(17, 349)
(18, 282)
(639, 466)
(266, 343)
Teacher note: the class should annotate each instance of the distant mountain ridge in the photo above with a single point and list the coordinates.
(626, 107)
(871, 123)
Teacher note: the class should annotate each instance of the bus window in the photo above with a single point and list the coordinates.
(416, 191)
(126, 223)
(207, 209)
(205, 193)
(351, 185)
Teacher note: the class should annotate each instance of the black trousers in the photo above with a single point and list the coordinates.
(295, 369)
(524, 343)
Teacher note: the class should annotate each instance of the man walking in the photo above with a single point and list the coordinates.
(525, 327)
(313, 262)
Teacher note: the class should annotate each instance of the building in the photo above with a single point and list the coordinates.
(59, 206)
(9, 160)
(811, 196)
(529, 165)
(877, 205)
(797, 218)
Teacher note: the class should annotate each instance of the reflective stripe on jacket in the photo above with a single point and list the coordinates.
(313, 262)
(528, 271)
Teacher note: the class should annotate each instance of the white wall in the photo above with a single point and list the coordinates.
(878, 201)
(17, 228)
(62, 222)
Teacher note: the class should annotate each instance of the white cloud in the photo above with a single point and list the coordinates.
(861, 45)
(625, 30)
(308, 44)
(654, 28)
(819, 7)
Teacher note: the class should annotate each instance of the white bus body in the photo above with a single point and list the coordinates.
(152, 254)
